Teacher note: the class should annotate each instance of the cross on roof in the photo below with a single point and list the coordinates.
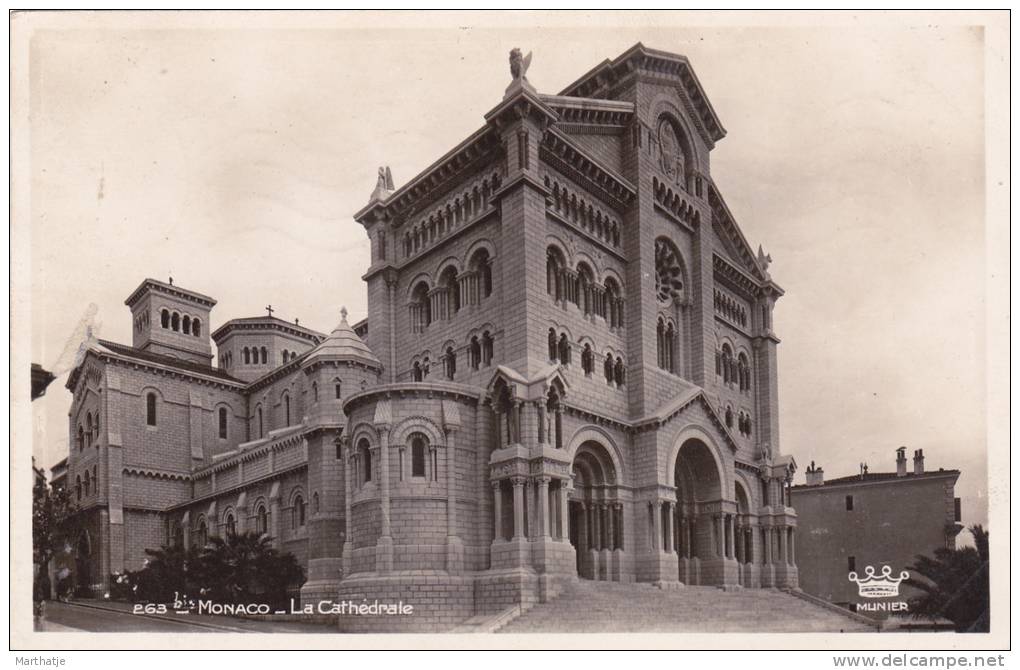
(269, 308)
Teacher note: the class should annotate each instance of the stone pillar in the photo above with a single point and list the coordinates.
(732, 535)
(348, 542)
(454, 545)
(274, 515)
(656, 525)
(565, 510)
(668, 539)
(384, 546)
(529, 508)
(543, 507)
(720, 534)
(518, 484)
(792, 550)
(782, 545)
(497, 506)
(611, 532)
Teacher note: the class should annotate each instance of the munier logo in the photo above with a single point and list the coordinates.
(884, 586)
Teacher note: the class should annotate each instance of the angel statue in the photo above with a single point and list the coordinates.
(519, 64)
(383, 184)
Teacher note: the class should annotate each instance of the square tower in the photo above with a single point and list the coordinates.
(171, 320)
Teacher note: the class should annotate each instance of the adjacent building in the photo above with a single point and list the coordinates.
(872, 519)
(568, 370)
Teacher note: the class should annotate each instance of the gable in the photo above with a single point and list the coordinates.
(692, 407)
(731, 238)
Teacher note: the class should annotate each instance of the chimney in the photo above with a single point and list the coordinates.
(919, 461)
(901, 462)
(815, 476)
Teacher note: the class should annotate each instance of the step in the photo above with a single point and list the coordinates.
(606, 607)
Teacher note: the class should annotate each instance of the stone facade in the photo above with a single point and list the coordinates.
(872, 519)
(568, 371)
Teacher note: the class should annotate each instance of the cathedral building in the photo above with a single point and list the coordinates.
(568, 371)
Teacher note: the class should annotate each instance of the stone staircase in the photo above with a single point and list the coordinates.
(612, 607)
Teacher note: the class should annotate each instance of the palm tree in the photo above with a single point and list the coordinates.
(954, 585)
(244, 567)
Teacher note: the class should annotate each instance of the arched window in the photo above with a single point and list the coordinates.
(77, 487)
(164, 318)
(187, 325)
(553, 348)
(555, 417)
(261, 520)
(95, 430)
(196, 327)
(95, 478)
(246, 356)
(286, 409)
(315, 391)
(421, 308)
(223, 423)
(265, 355)
(258, 415)
(487, 346)
(474, 353)
(670, 348)
(81, 438)
(202, 537)
(727, 364)
(482, 264)
(612, 310)
(608, 368)
(587, 360)
(563, 350)
(585, 298)
(365, 458)
(418, 450)
(231, 524)
(337, 389)
(286, 356)
(88, 483)
(619, 372)
(743, 372)
(449, 281)
(88, 429)
(554, 273)
(150, 409)
(416, 372)
(729, 417)
(175, 322)
(297, 517)
(450, 363)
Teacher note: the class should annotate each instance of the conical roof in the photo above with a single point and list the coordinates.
(343, 344)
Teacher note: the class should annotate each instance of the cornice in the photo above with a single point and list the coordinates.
(562, 153)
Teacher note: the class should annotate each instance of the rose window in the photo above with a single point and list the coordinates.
(669, 274)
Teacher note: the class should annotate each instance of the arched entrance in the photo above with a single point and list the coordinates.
(83, 566)
(699, 533)
(596, 513)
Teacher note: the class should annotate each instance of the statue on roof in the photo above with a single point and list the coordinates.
(519, 64)
(383, 184)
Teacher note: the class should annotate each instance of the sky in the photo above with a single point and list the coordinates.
(233, 156)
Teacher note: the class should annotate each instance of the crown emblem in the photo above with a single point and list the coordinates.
(882, 586)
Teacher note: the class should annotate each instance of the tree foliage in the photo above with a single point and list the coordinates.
(52, 512)
(240, 568)
(954, 585)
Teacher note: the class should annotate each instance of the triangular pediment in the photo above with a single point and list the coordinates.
(528, 388)
(731, 239)
(682, 406)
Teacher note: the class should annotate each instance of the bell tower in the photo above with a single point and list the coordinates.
(171, 321)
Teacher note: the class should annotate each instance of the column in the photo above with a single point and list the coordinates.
(345, 453)
(451, 498)
(732, 535)
(497, 506)
(518, 484)
(782, 545)
(384, 479)
(529, 510)
(619, 526)
(611, 527)
(543, 507)
(720, 534)
(564, 509)
(793, 537)
(668, 539)
(656, 525)
(738, 547)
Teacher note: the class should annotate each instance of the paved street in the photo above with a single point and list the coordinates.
(75, 617)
